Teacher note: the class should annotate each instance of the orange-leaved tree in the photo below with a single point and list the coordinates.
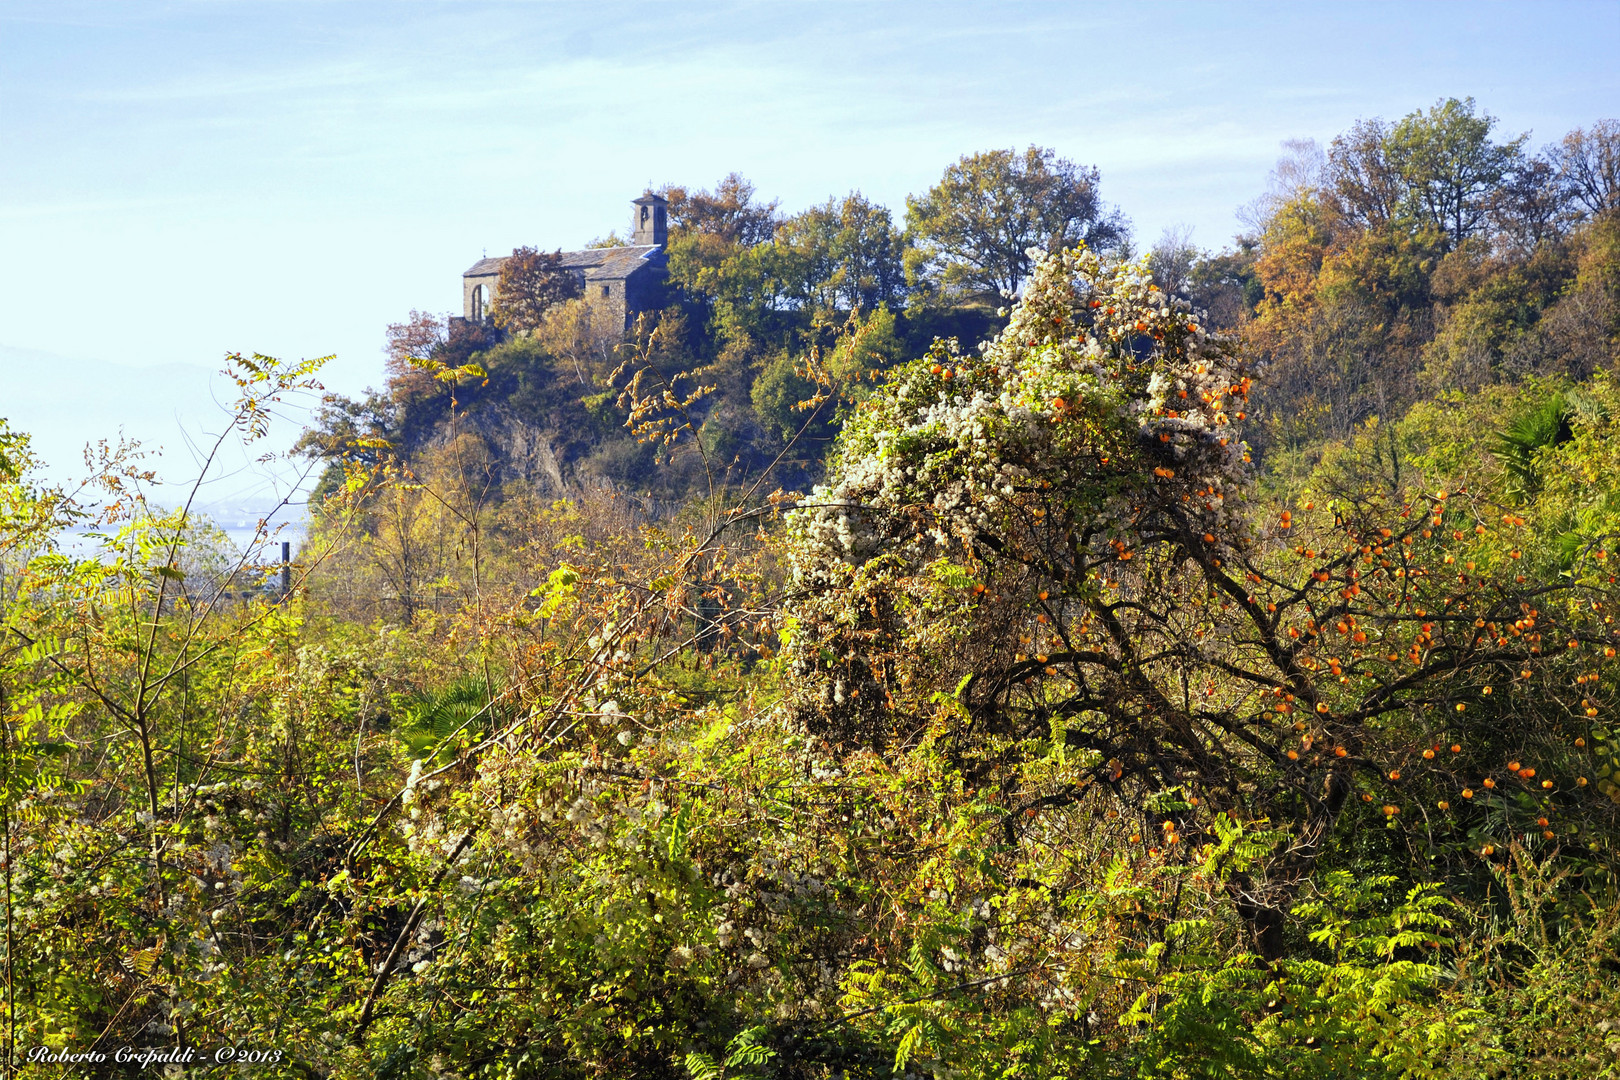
(531, 283)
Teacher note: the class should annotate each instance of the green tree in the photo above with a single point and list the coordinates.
(1450, 166)
(849, 254)
(722, 258)
(974, 229)
(778, 394)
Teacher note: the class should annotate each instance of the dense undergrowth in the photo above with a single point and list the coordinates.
(1130, 698)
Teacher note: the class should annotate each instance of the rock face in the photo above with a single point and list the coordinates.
(621, 281)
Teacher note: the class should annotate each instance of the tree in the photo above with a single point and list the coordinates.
(344, 430)
(1366, 186)
(421, 526)
(107, 753)
(849, 254)
(1530, 206)
(1450, 166)
(1589, 164)
(1048, 545)
(1329, 352)
(1225, 285)
(582, 337)
(1172, 260)
(1301, 172)
(778, 393)
(975, 227)
(728, 213)
(720, 253)
(531, 283)
(417, 338)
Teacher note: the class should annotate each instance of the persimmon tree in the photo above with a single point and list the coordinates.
(1053, 542)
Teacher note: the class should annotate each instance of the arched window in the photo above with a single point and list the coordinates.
(478, 301)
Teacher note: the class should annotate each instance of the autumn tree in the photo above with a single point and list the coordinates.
(531, 283)
(975, 227)
(1364, 181)
(419, 528)
(581, 338)
(1530, 207)
(107, 652)
(730, 213)
(1589, 161)
(1352, 246)
(1325, 351)
(417, 338)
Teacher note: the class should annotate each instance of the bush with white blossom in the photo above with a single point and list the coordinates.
(1104, 416)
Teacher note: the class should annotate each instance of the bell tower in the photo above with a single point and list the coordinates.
(649, 223)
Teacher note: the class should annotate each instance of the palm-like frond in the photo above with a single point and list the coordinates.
(1537, 428)
(436, 723)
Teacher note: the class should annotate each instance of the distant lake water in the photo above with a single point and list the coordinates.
(241, 527)
(243, 531)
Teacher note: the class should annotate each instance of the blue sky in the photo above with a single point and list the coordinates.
(182, 179)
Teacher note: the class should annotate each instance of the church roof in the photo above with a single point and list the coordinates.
(599, 264)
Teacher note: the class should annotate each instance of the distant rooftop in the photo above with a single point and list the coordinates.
(598, 263)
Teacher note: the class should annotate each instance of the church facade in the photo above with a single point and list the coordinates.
(621, 282)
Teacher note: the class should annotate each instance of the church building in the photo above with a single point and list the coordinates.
(620, 281)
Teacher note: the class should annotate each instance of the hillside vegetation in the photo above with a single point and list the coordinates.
(971, 648)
